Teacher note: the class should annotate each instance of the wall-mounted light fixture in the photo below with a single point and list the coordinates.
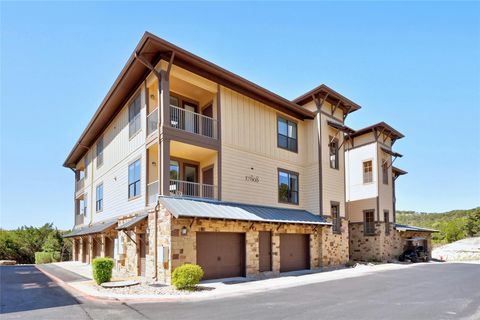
(184, 231)
(152, 96)
(154, 163)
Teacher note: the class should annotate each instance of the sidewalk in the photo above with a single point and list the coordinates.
(78, 276)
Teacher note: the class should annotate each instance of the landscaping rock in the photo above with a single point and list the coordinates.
(8, 262)
(119, 284)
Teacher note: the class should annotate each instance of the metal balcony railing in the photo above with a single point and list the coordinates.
(180, 188)
(79, 185)
(79, 219)
(152, 122)
(152, 193)
(193, 122)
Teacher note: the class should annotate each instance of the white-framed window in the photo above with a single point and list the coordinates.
(333, 148)
(99, 198)
(99, 152)
(134, 176)
(134, 123)
(367, 171)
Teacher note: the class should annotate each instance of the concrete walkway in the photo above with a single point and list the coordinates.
(78, 276)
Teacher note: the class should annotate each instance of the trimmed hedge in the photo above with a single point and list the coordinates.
(102, 269)
(47, 257)
(187, 276)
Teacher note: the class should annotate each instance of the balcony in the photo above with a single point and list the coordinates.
(79, 185)
(193, 122)
(79, 219)
(152, 193)
(179, 188)
(152, 122)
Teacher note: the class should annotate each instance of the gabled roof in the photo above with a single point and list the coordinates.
(382, 127)
(152, 49)
(334, 97)
(201, 208)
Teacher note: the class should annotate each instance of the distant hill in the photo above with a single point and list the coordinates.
(453, 225)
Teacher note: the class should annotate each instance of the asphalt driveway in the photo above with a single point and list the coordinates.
(424, 291)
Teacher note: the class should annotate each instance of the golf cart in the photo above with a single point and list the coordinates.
(416, 250)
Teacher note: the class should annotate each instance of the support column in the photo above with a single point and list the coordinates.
(102, 249)
(80, 251)
(275, 252)
(163, 141)
(74, 249)
(90, 249)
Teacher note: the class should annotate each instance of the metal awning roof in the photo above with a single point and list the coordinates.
(340, 127)
(404, 227)
(392, 153)
(91, 229)
(188, 207)
(133, 222)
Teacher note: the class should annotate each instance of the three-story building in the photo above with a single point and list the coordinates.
(186, 162)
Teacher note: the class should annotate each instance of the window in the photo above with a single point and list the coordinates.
(100, 152)
(287, 187)
(287, 134)
(99, 198)
(367, 171)
(83, 205)
(85, 166)
(385, 171)
(333, 153)
(336, 221)
(369, 223)
(134, 179)
(134, 123)
(386, 218)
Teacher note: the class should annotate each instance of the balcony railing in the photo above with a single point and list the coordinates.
(179, 188)
(152, 193)
(79, 218)
(193, 122)
(79, 185)
(152, 122)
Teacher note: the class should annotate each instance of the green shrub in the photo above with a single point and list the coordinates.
(187, 276)
(102, 269)
(47, 257)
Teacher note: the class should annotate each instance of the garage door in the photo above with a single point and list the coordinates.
(294, 252)
(221, 254)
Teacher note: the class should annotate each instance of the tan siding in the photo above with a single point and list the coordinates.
(355, 209)
(333, 179)
(385, 190)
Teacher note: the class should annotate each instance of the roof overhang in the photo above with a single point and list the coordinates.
(333, 97)
(212, 209)
(392, 153)
(381, 127)
(153, 49)
(398, 172)
(133, 222)
(340, 127)
(98, 227)
(403, 227)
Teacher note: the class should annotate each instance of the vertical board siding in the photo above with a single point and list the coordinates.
(119, 151)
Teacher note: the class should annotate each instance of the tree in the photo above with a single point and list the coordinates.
(472, 226)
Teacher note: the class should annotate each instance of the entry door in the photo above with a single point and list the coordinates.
(190, 174)
(265, 250)
(207, 181)
(190, 118)
(143, 253)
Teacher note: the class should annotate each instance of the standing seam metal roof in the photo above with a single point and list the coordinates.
(188, 207)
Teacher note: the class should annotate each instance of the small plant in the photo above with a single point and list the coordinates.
(102, 269)
(350, 264)
(47, 257)
(187, 276)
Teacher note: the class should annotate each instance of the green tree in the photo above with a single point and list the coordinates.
(472, 226)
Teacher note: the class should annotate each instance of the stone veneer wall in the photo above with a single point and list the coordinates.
(335, 247)
(381, 246)
(184, 247)
(164, 252)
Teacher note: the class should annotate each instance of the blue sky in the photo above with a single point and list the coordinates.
(414, 65)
